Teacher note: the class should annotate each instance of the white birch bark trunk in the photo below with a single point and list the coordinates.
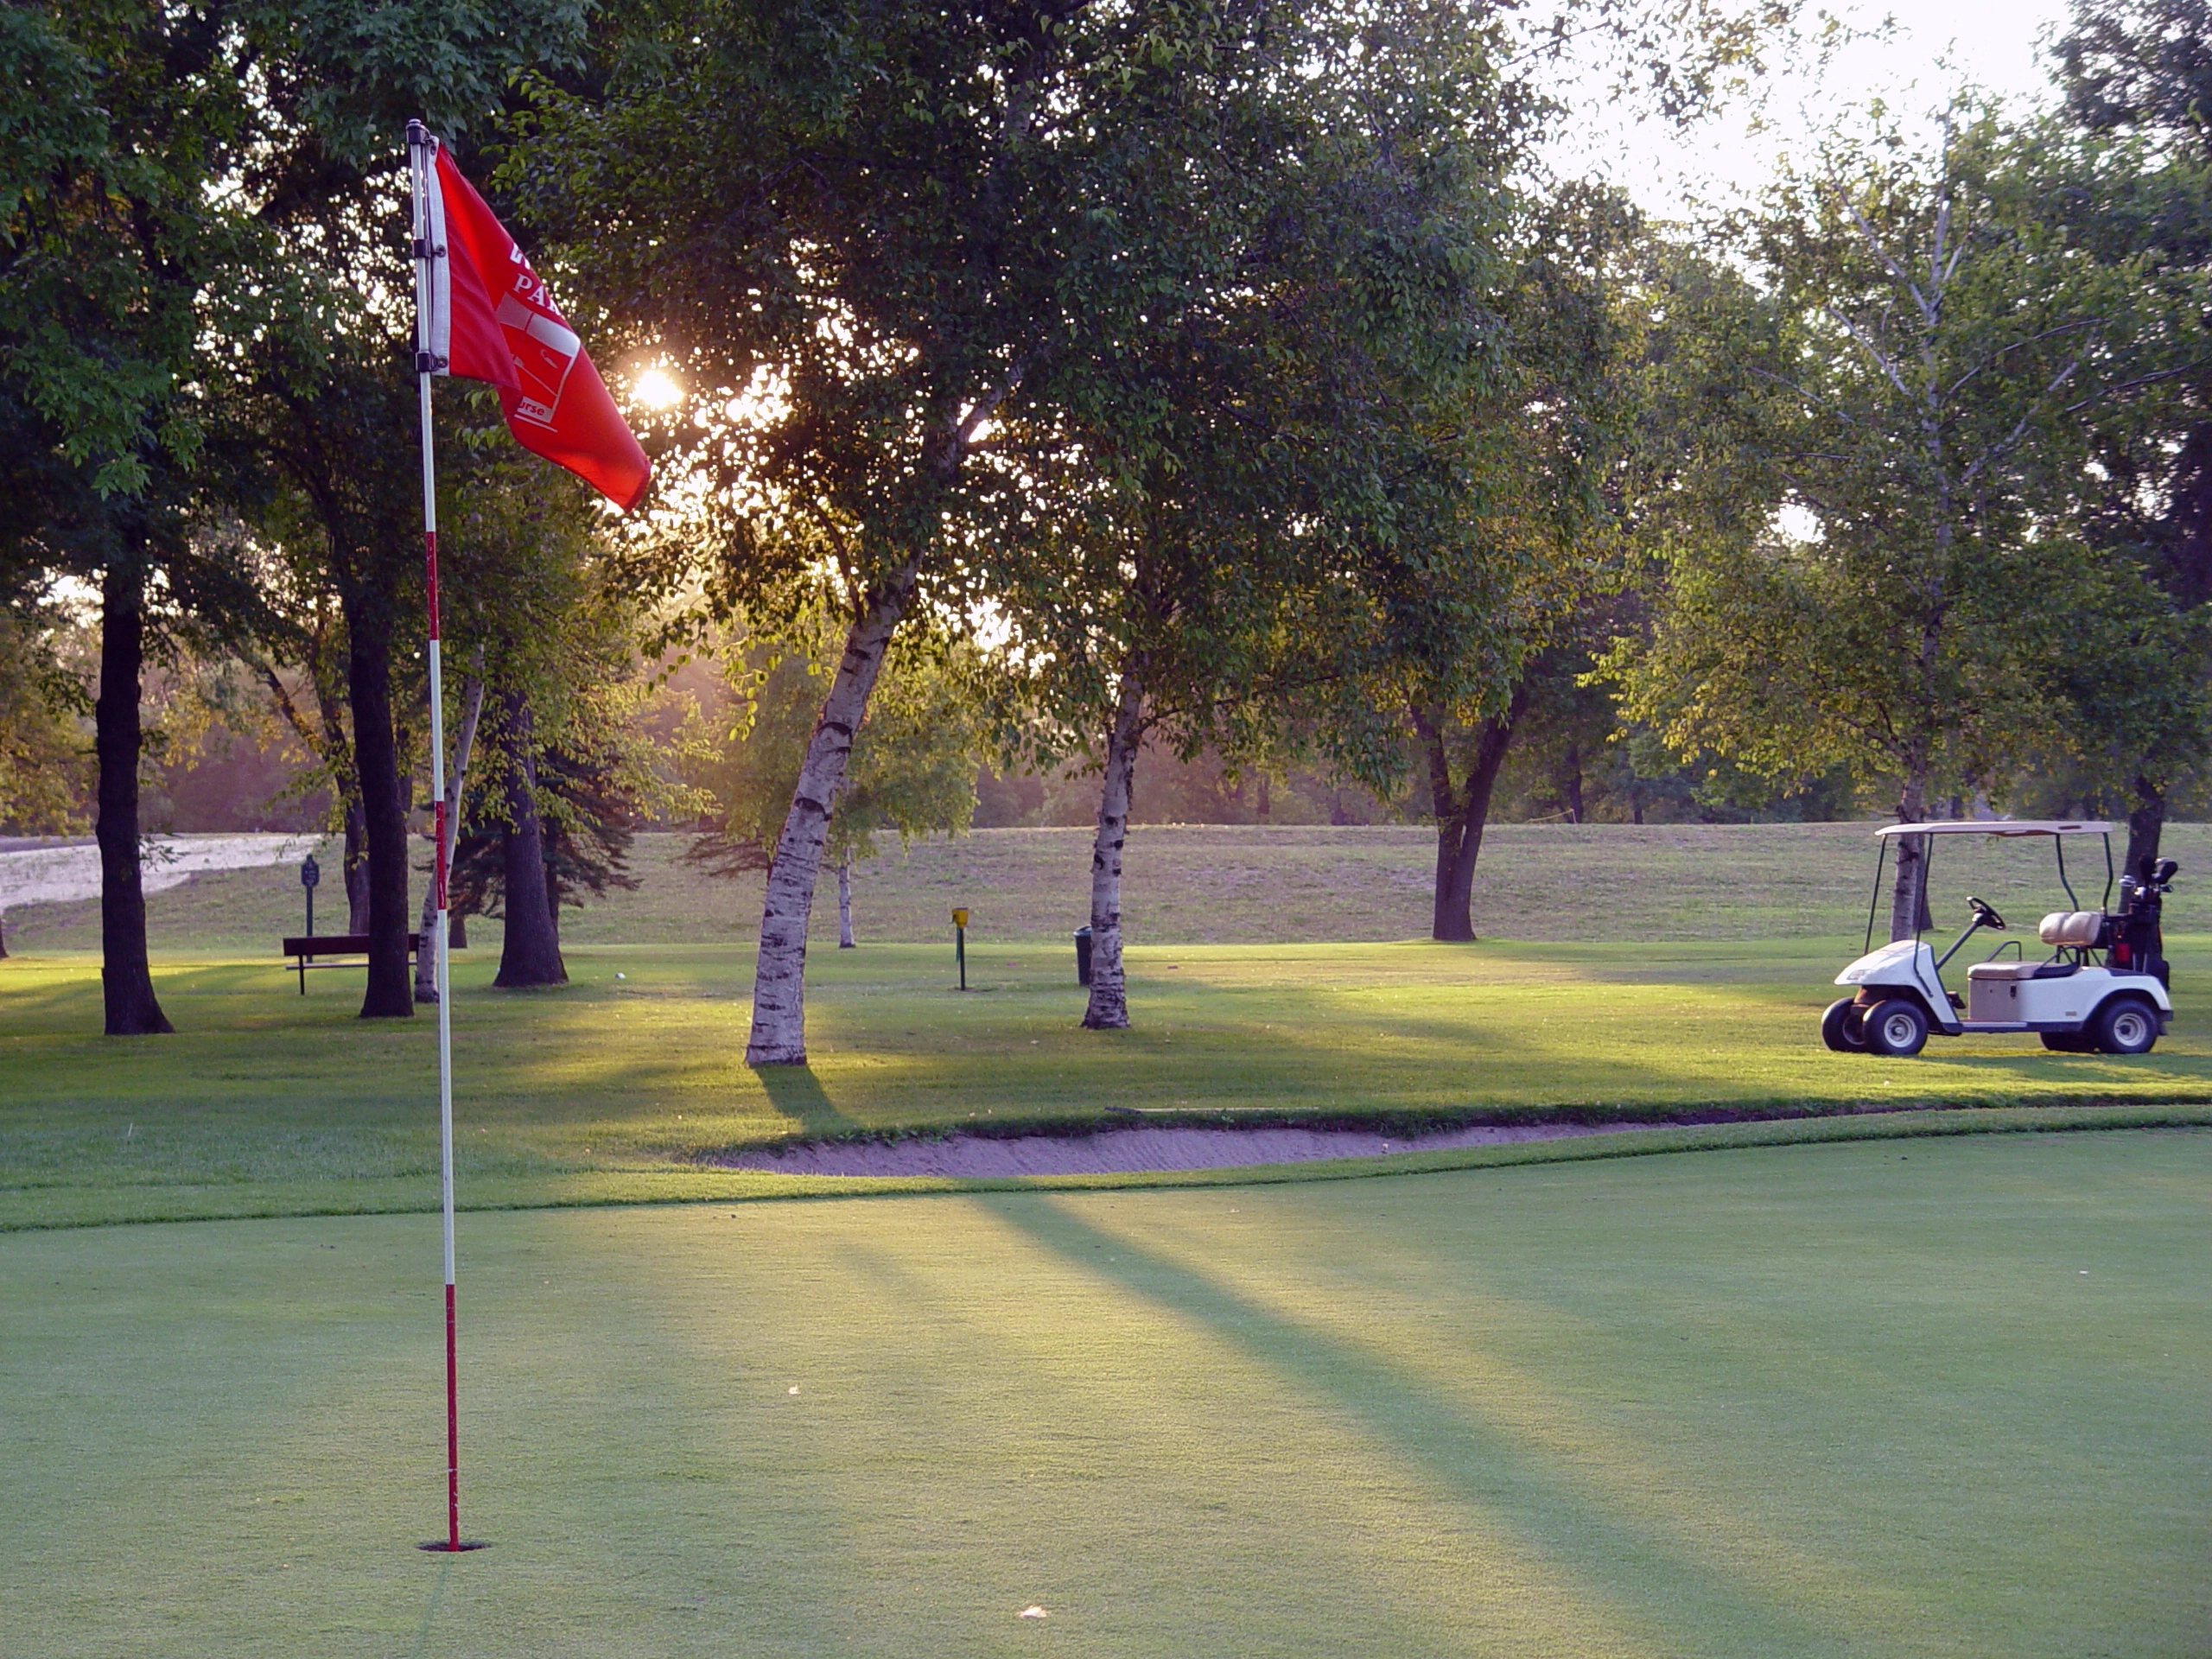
(845, 903)
(472, 705)
(1108, 1010)
(778, 1036)
(1908, 893)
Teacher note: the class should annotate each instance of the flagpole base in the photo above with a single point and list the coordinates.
(445, 1546)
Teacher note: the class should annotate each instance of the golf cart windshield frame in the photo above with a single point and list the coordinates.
(2005, 829)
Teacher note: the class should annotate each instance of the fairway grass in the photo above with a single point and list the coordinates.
(1943, 1397)
(623, 1084)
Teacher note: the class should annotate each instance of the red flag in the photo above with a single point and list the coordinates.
(491, 319)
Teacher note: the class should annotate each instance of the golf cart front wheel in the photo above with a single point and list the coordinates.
(1897, 1028)
(2124, 1025)
(1840, 1028)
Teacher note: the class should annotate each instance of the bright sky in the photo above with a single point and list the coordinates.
(1934, 47)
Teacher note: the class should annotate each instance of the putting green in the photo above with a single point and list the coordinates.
(1932, 1398)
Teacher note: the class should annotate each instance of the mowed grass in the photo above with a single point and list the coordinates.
(1225, 885)
(1942, 1398)
(1662, 972)
(1943, 1395)
(627, 1083)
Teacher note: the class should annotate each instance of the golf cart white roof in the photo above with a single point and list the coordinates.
(2001, 827)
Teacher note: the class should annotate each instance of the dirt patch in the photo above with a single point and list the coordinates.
(1120, 1150)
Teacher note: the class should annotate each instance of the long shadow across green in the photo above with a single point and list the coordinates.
(1482, 1466)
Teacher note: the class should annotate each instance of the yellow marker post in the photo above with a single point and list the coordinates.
(960, 943)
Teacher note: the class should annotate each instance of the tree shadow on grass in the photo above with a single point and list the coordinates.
(796, 1092)
(1625, 1559)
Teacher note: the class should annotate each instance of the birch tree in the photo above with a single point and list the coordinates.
(464, 750)
(1172, 592)
(864, 236)
(1196, 565)
(913, 767)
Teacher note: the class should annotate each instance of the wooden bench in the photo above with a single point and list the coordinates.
(304, 948)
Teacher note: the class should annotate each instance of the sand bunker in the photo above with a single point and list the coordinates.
(52, 876)
(1113, 1151)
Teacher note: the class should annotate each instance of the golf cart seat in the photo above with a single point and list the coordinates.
(2002, 971)
(2074, 930)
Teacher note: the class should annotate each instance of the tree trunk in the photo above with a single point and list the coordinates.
(384, 811)
(2146, 821)
(2191, 570)
(1451, 814)
(778, 1036)
(532, 955)
(126, 979)
(472, 707)
(1109, 1008)
(356, 871)
(845, 903)
(1575, 783)
(1909, 891)
(1462, 814)
(1496, 738)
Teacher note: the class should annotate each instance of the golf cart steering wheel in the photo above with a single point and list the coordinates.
(1990, 918)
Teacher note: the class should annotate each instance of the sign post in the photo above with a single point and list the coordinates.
(310, 873)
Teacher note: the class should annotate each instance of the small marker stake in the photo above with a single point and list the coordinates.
(310, 873)
(960, 944)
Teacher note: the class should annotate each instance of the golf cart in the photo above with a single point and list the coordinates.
(2103, 991)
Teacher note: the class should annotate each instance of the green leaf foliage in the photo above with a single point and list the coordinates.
(914, 763)
(1912, 604)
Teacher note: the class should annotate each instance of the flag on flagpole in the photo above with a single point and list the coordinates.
(482, 313)
(491, 318)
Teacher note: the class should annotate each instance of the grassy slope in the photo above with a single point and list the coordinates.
(1816, 1402)
(1223, 885)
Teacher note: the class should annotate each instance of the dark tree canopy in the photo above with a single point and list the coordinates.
(2141, 64)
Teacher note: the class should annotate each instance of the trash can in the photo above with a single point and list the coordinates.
(1083, 956)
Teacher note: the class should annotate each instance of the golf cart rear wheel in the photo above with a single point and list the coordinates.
(1898, 1027)
(1841, 1029)
(2124, 1025)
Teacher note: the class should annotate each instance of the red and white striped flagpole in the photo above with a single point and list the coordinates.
(420, 153)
